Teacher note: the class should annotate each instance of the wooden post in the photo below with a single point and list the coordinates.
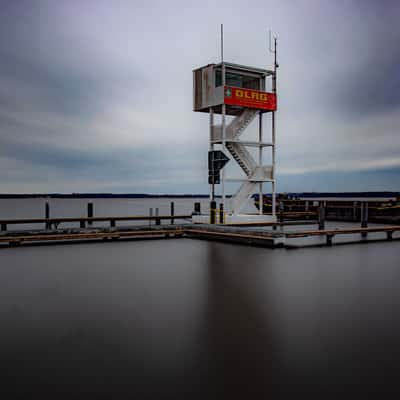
(364, 218)
(47, 215)
(321, 217)
(354, 211)
(172, 212)
(158, 221)
(329, 240)
(90, 212)
(213, 211)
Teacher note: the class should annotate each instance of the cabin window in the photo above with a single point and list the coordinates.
(237, 80)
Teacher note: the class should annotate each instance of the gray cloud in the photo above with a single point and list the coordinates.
(370, 82)
(96, 95)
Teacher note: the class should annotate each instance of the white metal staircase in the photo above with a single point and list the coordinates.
(255, 173)
(242, 156)
(241, 122)
(240, 198)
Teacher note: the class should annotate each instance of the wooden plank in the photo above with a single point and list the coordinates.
(89, 235)
(346, 231)
(287, 223)
(257, 235)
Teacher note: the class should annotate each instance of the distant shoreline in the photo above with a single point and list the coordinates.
(183, 196)
(98, 196)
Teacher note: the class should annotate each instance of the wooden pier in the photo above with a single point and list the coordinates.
(20, 238)
(265, 234)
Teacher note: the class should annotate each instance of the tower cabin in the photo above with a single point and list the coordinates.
(244, 87)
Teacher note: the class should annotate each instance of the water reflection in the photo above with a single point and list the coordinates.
(242, 348)
(195, 319)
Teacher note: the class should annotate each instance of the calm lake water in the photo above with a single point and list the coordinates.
(182, 318)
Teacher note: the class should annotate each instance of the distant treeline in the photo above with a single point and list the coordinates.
(184, 196)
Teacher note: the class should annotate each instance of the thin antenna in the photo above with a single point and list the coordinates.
(270, 41)
(272, 50)
(222, 43)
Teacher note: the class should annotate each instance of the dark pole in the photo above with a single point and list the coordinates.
(90, 212)
(213, 211)
(158, 221)
(47, 215)
(364, 218)
(321, 217)
(172, 212)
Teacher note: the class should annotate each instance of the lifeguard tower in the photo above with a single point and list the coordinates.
(237, 93)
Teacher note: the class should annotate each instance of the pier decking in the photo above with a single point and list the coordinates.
(266, 234)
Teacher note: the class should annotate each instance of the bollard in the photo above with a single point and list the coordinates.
(329, 240)
(82, 223)
(47, 215)
(151, 215)
(112, 223)
(90, 212)
(213, 211)
(3, 227)
(172, 212)
(197, 209)
(158, 221)
(321, 217)
(221, 214)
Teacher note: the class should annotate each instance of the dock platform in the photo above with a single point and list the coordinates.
(265, 234)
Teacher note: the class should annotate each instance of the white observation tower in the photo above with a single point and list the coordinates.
(238, 94)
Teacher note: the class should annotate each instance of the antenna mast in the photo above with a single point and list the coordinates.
(274, 51)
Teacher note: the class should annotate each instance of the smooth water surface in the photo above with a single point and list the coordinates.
(184, 318)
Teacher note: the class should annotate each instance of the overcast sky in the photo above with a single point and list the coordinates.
(96, 96)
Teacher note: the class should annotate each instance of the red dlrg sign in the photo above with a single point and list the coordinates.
(249, 98)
